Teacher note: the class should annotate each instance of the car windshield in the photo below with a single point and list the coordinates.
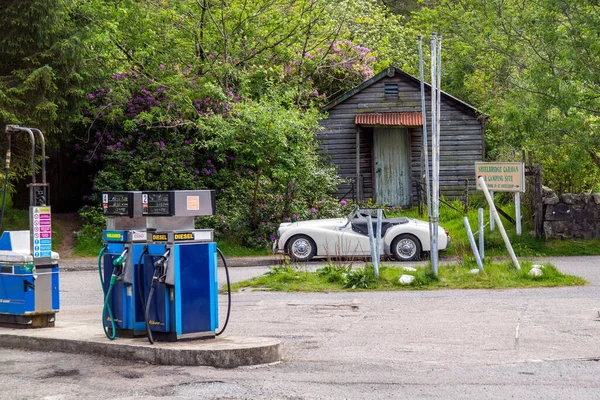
(353, 213)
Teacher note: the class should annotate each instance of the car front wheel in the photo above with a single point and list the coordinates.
(301, 248)
(406, 248)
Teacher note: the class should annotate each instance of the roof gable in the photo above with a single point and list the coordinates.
(391, 72)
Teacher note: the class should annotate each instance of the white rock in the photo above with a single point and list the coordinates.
(538, 266)
(474, 271)
(409, 269)
(535, 272)
(406, 279)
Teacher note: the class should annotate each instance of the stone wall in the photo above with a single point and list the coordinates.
(571, 216)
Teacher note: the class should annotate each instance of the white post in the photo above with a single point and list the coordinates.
(518, 211)
(499, 222)
(472, 241)
(374, 259)
(378, 237)
(481, 232)
(492, 226)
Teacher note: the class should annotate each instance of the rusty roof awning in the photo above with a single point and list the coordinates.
(390, 119)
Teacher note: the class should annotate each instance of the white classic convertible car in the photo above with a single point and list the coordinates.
(403, 238)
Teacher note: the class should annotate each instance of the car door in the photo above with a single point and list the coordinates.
(354, 243)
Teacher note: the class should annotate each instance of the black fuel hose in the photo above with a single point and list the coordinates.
(228, 293)
(147, 312)
(138, 278)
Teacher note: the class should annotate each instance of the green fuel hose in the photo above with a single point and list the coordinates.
(107, 293)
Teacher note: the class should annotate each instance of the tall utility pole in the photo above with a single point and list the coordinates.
(433, 194)
(425, 152)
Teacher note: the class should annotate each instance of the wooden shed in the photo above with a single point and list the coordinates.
(374, 132)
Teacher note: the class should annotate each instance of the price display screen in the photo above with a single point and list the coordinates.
(117, 204)
(157, 203)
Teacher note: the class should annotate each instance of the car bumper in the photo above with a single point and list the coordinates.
(276, 249)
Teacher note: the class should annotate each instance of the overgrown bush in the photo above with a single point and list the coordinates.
(363, 278)
(333, 272)
(260, 157)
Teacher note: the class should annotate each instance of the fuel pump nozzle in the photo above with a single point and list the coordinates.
(160, 267)
(118, 263)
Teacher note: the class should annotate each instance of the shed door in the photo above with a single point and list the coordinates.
(391, 150)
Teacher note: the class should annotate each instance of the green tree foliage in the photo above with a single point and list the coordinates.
(533, 67)
(207, 94)
(39, 78)
(259, 156)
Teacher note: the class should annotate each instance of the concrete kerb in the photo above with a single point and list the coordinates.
(225, 352)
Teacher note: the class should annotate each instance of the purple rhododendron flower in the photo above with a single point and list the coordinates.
(343, 202)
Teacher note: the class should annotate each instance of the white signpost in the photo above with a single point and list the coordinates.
(503, 177)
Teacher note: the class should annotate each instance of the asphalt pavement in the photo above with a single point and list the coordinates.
(446, 344)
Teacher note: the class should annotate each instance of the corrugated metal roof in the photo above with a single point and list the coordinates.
(390, 119)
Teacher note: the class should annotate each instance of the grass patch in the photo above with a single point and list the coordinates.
(87, 246)
(18, 220)
(231, 249)
(292, 278)
(525, 245)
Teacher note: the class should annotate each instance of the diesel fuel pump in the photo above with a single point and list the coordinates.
(180, 282)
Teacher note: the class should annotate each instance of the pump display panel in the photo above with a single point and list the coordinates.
(118, 204)
(158, 204)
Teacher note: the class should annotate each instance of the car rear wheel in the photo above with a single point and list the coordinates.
(301, 248)
(406, 248)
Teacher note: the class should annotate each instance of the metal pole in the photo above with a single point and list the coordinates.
(43, 147)
(499, 222)
(481, 233)
(374, 259)
(425, 147)
(33, 182)
(436, 152)
(378, 237)
(7, 168)
(492, 223)
(518, 212)
(472, 241)
(358, 164)
(434, 169)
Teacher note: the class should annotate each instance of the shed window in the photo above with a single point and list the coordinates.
(391, 89)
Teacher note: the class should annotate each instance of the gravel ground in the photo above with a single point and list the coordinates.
(445, 344)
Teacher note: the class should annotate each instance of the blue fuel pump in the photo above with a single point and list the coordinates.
(180, 280)
(181, 287)
(159, 273)
(29, 277)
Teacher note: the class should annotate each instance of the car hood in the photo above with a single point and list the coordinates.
(331, 223)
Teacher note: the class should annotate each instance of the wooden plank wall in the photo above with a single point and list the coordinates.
(461, 137)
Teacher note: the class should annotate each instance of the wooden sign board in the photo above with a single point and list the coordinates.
(501, 176)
